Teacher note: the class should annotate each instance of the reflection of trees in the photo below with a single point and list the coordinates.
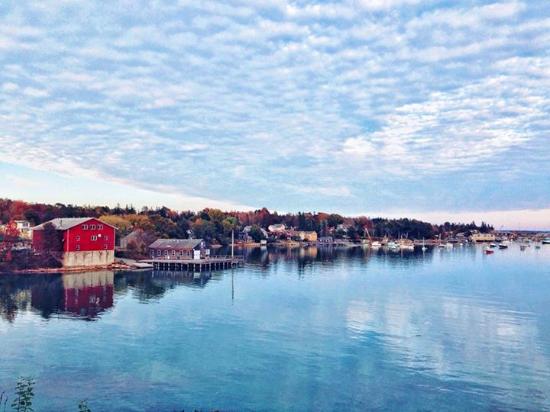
(150, 285)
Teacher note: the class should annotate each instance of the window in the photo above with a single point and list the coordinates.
(77, 247)
(159, 252)
(93, 238)
(165, 253)
(78, 238)
(99, 227)
(173, 253)
(92, 227)
(84, 227)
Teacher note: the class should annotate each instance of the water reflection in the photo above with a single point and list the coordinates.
(88, 295)
(82, 295)
(304, 257)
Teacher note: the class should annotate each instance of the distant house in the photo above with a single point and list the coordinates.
(129, 238)
(277, 228)
(178, 249)
(245, 234)
(306, 236)
(24, 228)
(483, 237)
(83, 241)
(326, 239)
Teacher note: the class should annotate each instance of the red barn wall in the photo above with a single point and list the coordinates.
(77, 236)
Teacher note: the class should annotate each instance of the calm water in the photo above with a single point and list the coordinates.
(297, 330)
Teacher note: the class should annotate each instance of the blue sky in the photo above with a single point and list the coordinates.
(361, 106)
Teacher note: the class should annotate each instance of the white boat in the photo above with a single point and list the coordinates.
(504, 244)
(393, 245)
(449, 245)
(424, 248)
(546, 241)
(406, 244)
(376, 245)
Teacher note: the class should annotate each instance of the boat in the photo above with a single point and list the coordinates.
(522, 247)
(489, 251)
(492, 245)
(424, 248)
(546, 241)
(376, 245)
(504, 244)
(406, 244)
(537, 246)
(393, 245)
(449, 245)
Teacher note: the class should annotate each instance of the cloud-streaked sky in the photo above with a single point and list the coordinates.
(356, 106)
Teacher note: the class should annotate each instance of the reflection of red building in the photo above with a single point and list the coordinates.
(88, 294)
(83, 241)
(82, 294)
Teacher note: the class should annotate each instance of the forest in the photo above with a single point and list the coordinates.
(215, 226)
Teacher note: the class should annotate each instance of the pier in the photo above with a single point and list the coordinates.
(207, 264)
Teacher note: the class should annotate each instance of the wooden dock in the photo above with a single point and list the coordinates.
(196, 265)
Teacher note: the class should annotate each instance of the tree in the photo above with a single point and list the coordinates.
(51, 239)
(10, 237)
(256, 233)
(204, 229)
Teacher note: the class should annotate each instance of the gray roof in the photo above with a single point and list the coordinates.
(176, 244)
(65, 223)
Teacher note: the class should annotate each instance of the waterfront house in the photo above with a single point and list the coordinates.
(326, 239)
(80, 241)
(178, 249)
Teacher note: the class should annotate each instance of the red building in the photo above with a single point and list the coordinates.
(81, 241)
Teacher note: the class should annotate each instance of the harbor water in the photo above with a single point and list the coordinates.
(298, 329)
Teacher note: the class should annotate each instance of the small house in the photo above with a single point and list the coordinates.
(24, 228)
(178, 249)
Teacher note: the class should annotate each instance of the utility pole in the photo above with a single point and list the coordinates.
(232, 244)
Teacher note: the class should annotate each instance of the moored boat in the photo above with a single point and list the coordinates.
(504, 244)
(489, 251)
(394, 246)
(546, 241)
(424, 248)
(406, 244)
(376, 245)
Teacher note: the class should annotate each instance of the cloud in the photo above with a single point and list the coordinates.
(345, 106)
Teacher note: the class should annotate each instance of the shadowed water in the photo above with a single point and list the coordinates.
(297, 329)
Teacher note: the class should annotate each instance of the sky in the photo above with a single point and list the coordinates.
(429, 109)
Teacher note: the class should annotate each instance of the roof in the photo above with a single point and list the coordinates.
(65, 223)
(175, 243)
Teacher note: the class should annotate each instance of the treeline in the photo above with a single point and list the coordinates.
(216, 226)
